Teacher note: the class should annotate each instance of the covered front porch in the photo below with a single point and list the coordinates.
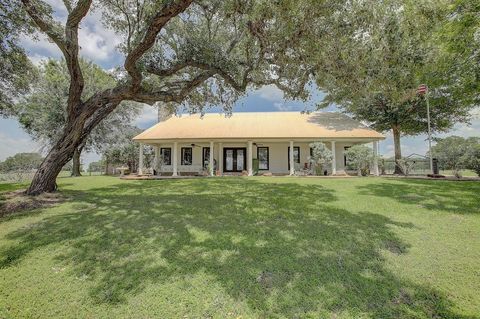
(234, 157)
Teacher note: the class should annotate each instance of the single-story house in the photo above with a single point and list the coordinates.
(186, 144)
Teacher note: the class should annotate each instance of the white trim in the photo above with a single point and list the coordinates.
(220, 158)
(375, 159)
(140, 160)
(212, 169)
(175, 159)
(250, 158)
(291, 159)
(334, 159)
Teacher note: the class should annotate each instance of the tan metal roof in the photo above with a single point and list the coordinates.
(261, 125)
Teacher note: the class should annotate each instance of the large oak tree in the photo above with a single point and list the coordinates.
(187, 52)
(42, 112)
(382, 52)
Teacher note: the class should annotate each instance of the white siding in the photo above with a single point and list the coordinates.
(278, 155)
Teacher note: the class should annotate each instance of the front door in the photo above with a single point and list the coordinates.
(234, 159)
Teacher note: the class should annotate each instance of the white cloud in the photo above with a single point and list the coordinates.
(148, 117)
(282, 107)
(467, 130)
(40, 47)
(37, 59)
(270, 93)
(96, 42)
(11, 146)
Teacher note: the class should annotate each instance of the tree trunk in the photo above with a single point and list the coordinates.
(60, 154)
(76, 162)
(398, 150)
(73, 137)
(106, 165)
(46, 176)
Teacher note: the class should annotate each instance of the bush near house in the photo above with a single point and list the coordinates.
(320, 157)
(360, 157)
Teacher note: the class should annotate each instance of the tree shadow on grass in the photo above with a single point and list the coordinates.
(450, 196)
(280, 248)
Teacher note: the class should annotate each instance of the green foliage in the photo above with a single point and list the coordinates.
(321, 155)
(450, 153)
(98, 166)
(460, 37)
(43, 113)
(456, 153)
(16, 70)
(21, 162)
(360, 157)
(378, 54)
(125, 151)
(472, 155)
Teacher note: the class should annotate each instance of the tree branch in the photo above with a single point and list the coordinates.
(71, 55)
(45, 26)
(155, 26)
(206, 67)
(68, 44)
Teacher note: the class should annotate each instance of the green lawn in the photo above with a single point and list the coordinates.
(246, 248)
(465, 173)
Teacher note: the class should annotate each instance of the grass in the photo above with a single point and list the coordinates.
(464, 172)
(246, 248)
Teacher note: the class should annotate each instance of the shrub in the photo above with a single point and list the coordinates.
(320, 157)
(472, 155)
(360, 157)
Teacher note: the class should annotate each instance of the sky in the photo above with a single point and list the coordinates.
(99, 44)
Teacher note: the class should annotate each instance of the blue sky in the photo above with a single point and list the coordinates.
(99, 44)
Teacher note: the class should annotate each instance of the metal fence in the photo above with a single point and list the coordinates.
(416, 166)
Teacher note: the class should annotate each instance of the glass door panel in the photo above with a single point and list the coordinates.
(229, 160)
(240, 157)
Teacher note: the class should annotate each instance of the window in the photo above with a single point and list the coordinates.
(296, 155)
(263, 158)
(166, 156)
(206, 157)
(187, 156)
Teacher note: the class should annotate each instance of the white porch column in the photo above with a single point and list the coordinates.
(175, 160)
(334, 159)
(291, 160)
(212, 169)
(375, 159)
(250, 158)
(220, 158)
(140, 160)
(156, 158)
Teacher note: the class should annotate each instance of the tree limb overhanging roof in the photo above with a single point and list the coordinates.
(261, 125)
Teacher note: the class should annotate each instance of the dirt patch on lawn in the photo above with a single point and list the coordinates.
(17, 201)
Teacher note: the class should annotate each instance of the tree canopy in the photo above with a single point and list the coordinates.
(368, 56)
(381, 53)
(22, 162)
(460, 37)
(182, 52)
(457, 153)
(42, 112)
(16, 70)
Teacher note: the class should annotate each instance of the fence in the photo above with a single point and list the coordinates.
(417, 166)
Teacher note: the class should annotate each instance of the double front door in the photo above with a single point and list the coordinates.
(234, 159)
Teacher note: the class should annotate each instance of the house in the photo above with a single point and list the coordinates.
(187, 144)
